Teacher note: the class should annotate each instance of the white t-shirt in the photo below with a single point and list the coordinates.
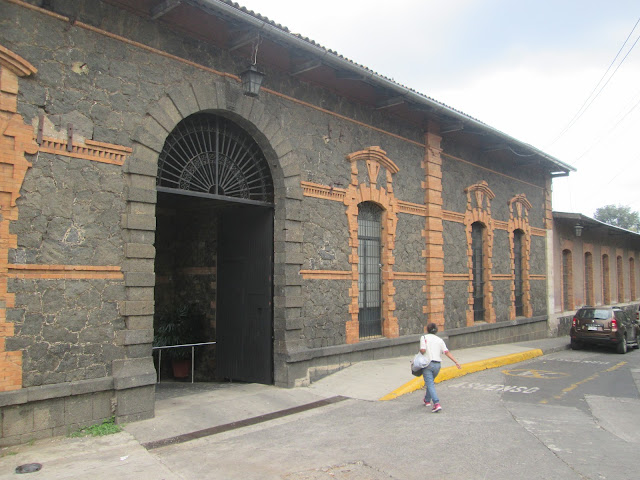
(434, 346)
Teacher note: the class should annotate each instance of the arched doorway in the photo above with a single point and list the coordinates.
(214, 247)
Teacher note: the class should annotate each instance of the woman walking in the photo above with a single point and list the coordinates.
(432, 347)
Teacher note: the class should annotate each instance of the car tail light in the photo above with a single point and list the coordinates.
(614, 325)
(575, 321)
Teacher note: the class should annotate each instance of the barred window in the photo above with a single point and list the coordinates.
(477, 261)
(517, 271)
(567, 280)
(369, 269)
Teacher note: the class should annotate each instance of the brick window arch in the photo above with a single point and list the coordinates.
(567, 280)
(479, 229)
(520, 253)
(375, 163)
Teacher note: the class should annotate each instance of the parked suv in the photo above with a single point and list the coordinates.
(604, 326)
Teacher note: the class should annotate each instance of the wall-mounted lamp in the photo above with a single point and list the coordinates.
(252, 77)
(579, 228)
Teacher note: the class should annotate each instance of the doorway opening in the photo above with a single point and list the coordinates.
(214, 253)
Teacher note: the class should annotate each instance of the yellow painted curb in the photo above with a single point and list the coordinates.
(452, 372)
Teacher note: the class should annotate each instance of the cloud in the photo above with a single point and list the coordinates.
(524, 68)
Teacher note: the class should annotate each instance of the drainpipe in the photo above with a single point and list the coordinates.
(552, 323)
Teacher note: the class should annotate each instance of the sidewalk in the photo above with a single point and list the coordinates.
(186, 411)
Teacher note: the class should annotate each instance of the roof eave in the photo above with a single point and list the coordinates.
(330, 58)
(578, 217)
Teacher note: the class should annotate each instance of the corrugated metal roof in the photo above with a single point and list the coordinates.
(286, 34)
(333, 52)
(578, 217)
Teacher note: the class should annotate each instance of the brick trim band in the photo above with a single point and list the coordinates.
(71, 272)
(90, 150)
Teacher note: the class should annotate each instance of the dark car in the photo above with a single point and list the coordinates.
(604, 326)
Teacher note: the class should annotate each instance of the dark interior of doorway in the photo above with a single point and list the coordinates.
(199, 242)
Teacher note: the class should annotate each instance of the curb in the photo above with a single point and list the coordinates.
(449, 373)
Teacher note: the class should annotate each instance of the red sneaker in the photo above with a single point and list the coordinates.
(436, 408)
(426, 404)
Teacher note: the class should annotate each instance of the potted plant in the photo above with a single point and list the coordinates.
(176, 327)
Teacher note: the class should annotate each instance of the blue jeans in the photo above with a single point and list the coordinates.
(429, 374)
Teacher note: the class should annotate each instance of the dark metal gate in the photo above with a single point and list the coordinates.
(211, 157)
(244, 314)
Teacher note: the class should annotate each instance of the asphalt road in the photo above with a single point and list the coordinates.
(568, 415)
(567, 378)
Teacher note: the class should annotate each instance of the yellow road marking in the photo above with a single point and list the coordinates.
(542, 374)
(452, 372)
(573, 386)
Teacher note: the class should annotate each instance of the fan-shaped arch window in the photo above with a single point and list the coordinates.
(209, 154)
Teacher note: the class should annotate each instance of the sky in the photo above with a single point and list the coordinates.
(544, 72)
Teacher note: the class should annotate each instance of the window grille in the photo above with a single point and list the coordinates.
(477, 247)
(567, 280)
(369, 270)
(517, 270)
(212, 155)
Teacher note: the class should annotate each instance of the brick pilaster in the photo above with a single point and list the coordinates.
(433, 232)
(548, 206)
(16, 140)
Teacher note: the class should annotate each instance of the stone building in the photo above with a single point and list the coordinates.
(321, 222)
(594, 264)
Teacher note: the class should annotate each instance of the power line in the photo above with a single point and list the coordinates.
(593, 145)
(624, 167)
(587, 103)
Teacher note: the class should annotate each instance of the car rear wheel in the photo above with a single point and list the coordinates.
(622, 346)
(575, 345)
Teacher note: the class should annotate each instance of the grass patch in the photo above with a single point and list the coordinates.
(107, 427)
